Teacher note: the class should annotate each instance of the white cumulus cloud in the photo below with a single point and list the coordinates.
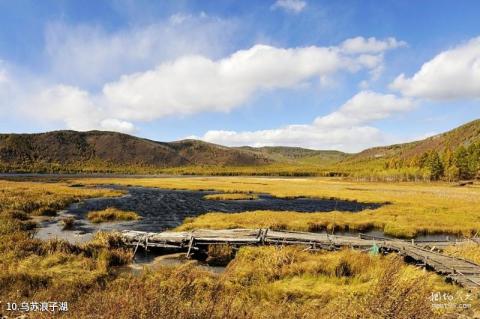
(195, 83)
(364, 107)
(346, 129)
(184, 85)
(72, 107)
(452, 74)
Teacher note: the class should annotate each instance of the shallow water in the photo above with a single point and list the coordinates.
(152, 261)
(163, 209)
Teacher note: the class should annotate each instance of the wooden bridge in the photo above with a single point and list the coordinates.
(425, 253)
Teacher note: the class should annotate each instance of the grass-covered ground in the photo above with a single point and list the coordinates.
(44, 198)
(265, 282)
(231, 196)
(411, 208)
(111, 214)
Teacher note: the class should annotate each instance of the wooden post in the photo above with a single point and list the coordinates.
(190, 245)
(136, 247)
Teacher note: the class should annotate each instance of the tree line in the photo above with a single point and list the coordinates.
(461, 163)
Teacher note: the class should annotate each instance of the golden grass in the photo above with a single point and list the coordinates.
(111, 214)
(469, 251)
(271, 282)
(231, 196)
(413, 209)
(42, 198)
(68, 223)
(266, 282)
(28, 265)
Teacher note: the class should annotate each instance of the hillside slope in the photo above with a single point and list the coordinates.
(465, 135)
(452, 155)
(298, 155)
(70, 147)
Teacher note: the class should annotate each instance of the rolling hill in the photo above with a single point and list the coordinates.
(99, 151)
(465, 135)
(298, 155)
(68, 147)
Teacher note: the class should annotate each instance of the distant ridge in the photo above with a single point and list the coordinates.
(100, 151)
(465, 135)
(64, 147)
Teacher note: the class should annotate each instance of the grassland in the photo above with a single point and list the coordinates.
(263, 282)
(33, 269)
(274, 283)
(469, 251)
(44, 198)
(111, 214)
(409, 208)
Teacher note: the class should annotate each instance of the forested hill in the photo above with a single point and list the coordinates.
(451, 155)
(74, 149)
(98, 151)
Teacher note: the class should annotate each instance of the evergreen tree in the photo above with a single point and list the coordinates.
(435, 165)
(474, 159)
(460, 159)
(423, 160)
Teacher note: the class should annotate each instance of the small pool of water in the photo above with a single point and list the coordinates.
(153, 261)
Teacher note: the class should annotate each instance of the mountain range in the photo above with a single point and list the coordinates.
(77, 151)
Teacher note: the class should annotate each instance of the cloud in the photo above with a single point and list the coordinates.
(3, 75)
(294, 6)
(195, 83)
(365, 107)
(89, 55)
(371, 51)
(72, 107)
(346, 129)
(370, 45)
(185, 85)
(452, 74)
(117, 126)
(7, 93)
(351, 139)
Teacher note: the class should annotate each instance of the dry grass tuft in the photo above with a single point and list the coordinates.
(231, 196)
(111, 214)
(469, 251)
(68, 223)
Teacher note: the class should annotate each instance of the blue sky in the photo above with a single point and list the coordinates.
(321, 74)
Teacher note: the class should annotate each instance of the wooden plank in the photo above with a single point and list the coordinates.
(461, 271)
